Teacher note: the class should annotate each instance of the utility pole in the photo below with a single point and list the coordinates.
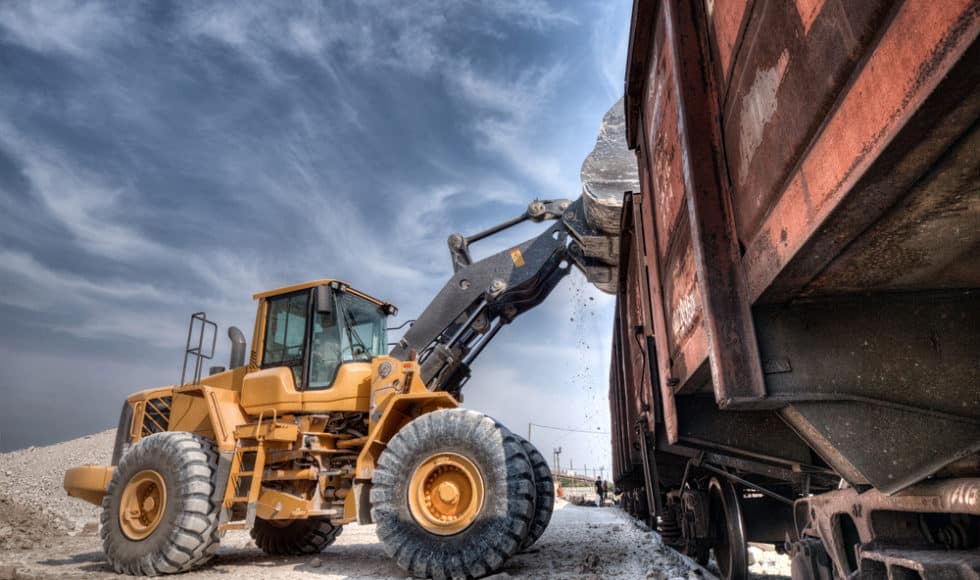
(528, 430)
(557, 452)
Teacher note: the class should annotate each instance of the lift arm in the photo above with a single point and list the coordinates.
(483, 296)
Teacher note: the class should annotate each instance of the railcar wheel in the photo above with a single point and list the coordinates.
(728, 530)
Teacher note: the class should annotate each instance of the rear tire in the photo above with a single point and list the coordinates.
(309, 536)
(501, 511)
(159, 515)
(544, 493)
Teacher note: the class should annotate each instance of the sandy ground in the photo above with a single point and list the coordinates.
(46, 534)
(580, 543)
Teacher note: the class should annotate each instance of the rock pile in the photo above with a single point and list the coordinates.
(33, 504)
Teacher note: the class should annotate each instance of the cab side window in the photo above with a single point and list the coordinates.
(285, 333)
(325, 354)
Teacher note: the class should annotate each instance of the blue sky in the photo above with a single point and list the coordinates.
(161, 158)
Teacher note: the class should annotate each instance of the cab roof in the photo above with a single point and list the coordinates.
(314, 283)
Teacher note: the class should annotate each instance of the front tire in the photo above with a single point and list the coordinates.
(544, 493)
(158, 515)
(291, 538)
(452, 495)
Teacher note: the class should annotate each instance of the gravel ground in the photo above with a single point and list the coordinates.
(45, 534)
(587, 543)
(34, 507)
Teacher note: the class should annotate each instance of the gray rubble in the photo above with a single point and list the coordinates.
(47, 537)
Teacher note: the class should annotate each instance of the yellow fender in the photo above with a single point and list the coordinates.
(398, 413)
(208, 411)
(398, 397)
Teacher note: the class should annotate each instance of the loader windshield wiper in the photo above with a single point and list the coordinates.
(354, 339)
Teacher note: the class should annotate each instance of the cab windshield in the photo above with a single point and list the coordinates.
(353, 330)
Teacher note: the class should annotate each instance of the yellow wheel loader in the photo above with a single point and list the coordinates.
(323, 425)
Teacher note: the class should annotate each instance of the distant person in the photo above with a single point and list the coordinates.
(600, 493)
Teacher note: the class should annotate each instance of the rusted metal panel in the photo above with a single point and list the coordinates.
(919, 48)
(633, 360)
(795, 60)
(663, 144)
(617, 401)
(635, 205)
(666, 203)
(927, 239)
(838, 81)
(635, 330)
(726, 18)
(727, 322)
(683, 296)
(810, 235)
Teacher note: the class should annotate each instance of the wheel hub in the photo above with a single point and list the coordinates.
(143, 502)
(446, 493)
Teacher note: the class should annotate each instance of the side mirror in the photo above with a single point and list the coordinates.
(324, 300)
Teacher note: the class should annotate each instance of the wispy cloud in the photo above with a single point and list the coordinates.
(504, 107)
(79, 199)
(609, 38)
(415, 39)
(155, 166)
(32, 285)
(73, 28)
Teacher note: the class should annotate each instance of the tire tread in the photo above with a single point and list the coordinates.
(485, 554)
(186, 547)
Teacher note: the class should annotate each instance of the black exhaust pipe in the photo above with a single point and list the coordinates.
(237, 347)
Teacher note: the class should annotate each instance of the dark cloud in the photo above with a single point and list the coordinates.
(160, 158)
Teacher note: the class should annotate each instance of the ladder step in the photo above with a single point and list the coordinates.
(244, 473)
(238, 499)
(232, 526)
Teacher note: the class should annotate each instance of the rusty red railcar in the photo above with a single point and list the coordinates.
(796, 353)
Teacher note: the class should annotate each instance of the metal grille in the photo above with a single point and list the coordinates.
(156, 415)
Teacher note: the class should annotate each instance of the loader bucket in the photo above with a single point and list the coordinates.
(608, 172)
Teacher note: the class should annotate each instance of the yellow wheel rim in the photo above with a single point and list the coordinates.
(143, 502)
(446, 494)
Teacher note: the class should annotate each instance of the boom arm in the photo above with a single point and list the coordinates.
(482, 297)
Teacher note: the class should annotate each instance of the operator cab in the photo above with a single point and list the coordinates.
(315, 327)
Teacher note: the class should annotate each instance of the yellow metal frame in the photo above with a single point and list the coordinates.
(399, 412)
(221, 407)
(258, 335)
(248, 410)
(273, 389)
(88, 482)
(314, 284)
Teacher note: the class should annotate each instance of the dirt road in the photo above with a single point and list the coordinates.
(580, 543)
(46, 534)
